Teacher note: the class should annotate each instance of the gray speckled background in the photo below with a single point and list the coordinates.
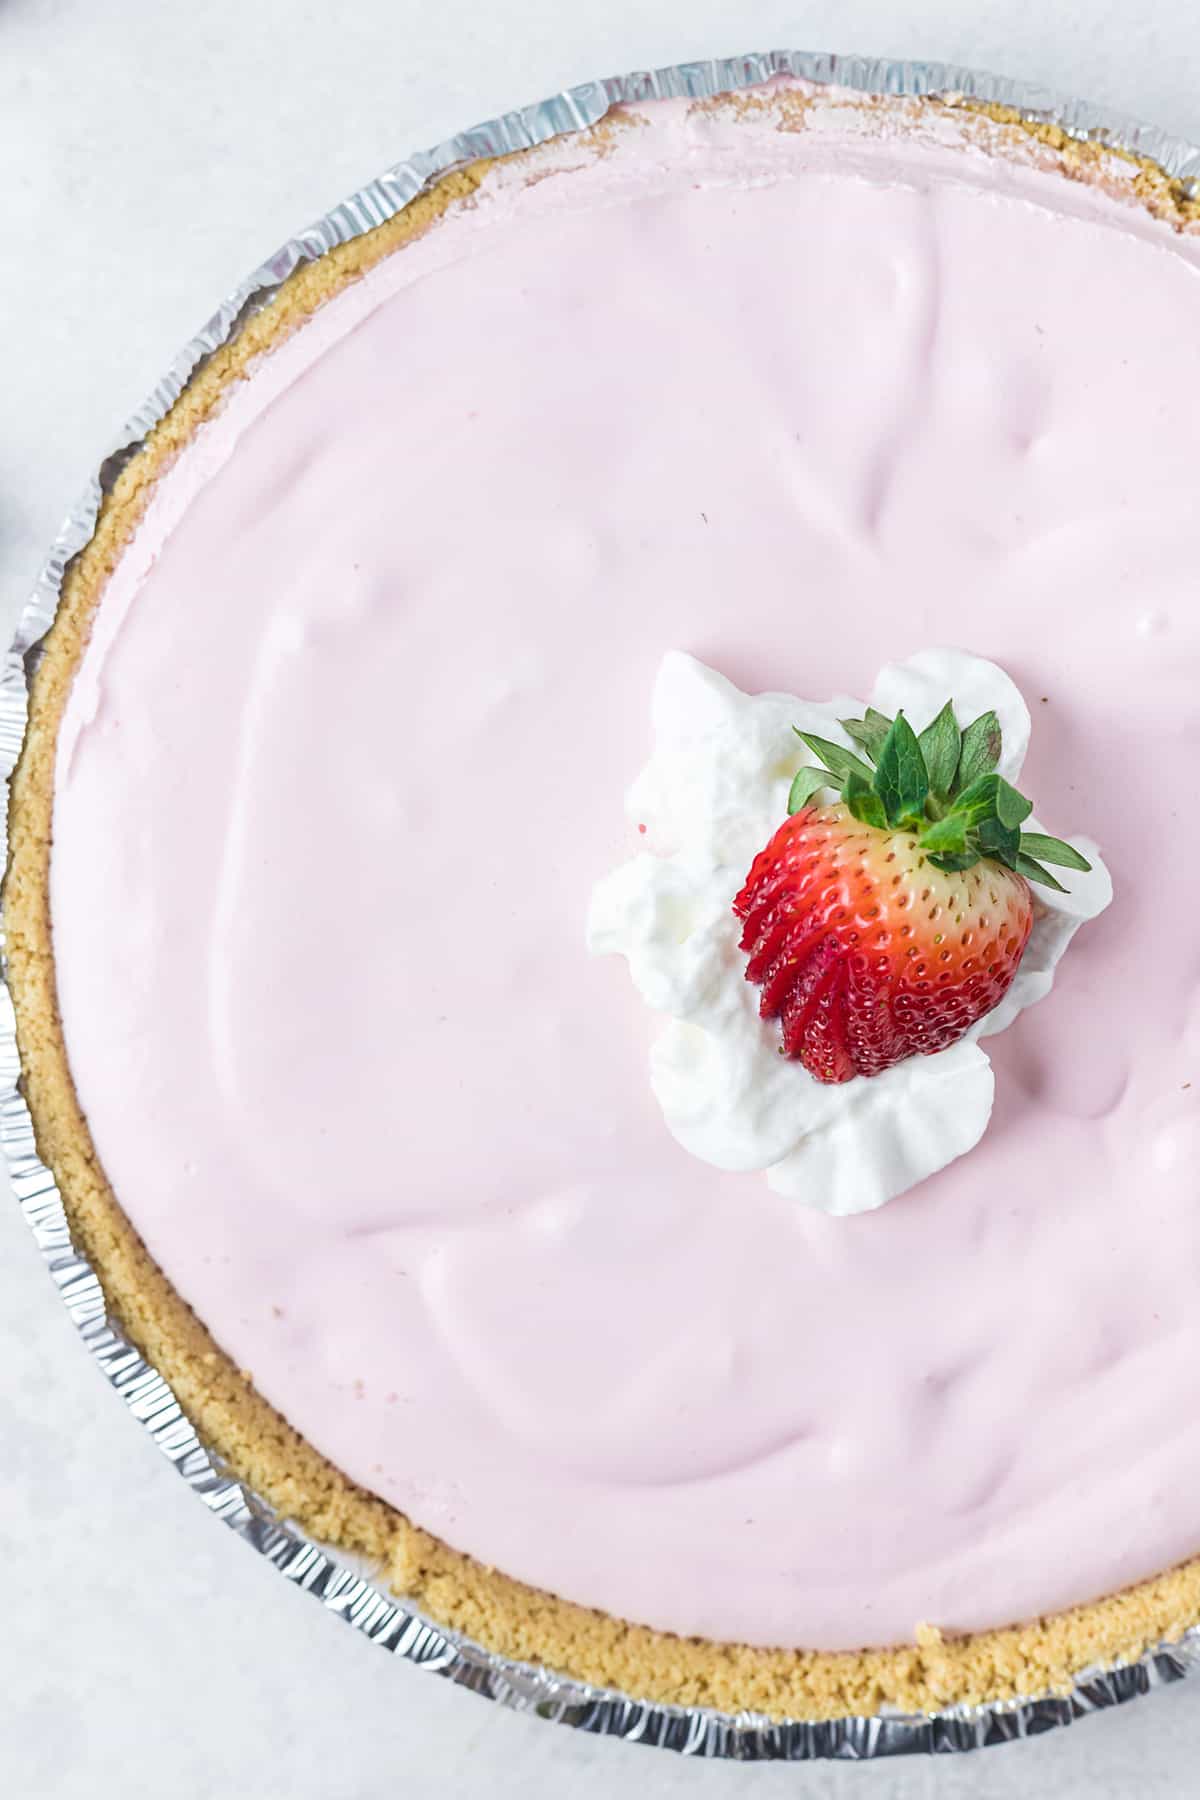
(120, 1664)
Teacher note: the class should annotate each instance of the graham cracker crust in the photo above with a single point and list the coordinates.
(260, 1447)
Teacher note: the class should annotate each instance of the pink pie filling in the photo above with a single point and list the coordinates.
(348, 752)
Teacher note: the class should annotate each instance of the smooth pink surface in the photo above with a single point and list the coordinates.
(348, 753)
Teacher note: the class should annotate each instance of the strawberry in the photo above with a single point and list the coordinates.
(887, 924)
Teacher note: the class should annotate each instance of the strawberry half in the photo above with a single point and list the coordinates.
(886, 924)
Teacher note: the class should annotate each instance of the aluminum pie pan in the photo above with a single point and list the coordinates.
(343, 1590)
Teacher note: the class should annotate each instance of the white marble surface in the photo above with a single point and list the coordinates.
(150, 154)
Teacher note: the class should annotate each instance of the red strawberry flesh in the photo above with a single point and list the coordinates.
(866, 952)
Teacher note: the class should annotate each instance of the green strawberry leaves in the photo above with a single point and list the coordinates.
(902, 780)
(1032, 870)
(864, 803)
(941, 786)
(997, 839)
(1053, 850)
(940, 744)
(839, 762)
(807, 783)
(1037, 849)
(980, 749)
(946, 837)
(869, 733)
(1011, 808)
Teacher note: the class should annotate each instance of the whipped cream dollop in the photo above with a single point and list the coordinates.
(713, 793)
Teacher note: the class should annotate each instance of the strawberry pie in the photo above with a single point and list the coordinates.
(597, 903)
